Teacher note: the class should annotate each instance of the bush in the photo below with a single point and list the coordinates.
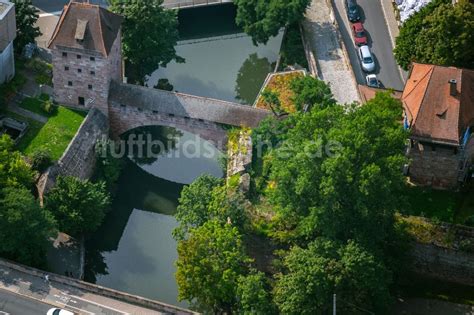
(41, 159)
(47, 106)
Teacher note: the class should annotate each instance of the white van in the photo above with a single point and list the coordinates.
(366, 59)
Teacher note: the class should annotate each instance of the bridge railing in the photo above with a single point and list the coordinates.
(182, 4)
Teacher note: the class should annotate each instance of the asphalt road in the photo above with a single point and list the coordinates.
(380, 44)
(14, 304)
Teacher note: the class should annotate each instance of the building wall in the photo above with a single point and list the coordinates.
(7, 26)
(437, 168)
(7, 64)
(98, 73)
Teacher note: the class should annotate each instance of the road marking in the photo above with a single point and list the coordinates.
(57, 13)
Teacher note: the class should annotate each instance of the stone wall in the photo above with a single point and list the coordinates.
(91, 70)
(7, 64)
(79, 158)
(434, 167)
(443, 263)
(239, 154)
(124, 118)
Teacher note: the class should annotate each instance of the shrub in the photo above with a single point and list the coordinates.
(41, 159)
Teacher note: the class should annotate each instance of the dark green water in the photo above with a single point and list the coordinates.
(221, 60)
(133, 250)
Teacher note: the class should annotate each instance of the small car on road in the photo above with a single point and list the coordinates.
(372, 81)
(58, 311)
(366, 59)
(360, 36)
(352, 11)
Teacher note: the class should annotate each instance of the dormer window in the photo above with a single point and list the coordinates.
(80, 30)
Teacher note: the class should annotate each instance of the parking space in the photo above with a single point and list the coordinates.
(379, 42)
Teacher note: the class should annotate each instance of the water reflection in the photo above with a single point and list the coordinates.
(219, 57)
(133, 250)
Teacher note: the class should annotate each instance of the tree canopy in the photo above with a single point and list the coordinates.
(26, 17)
(24, 226)
(206, 199)
(14, 171)
(150, 34)
(209, 265)
(325, 268)
(441, 33)
(337, 173)
(263, 19)
(78, 206)
(312, 92)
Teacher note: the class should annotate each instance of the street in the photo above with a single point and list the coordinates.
(380, 44)
(51, 6)
(14, 304)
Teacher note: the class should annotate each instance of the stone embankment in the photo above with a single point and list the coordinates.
(239, 154)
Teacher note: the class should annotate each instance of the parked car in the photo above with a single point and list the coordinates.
(372, 81)
(58, 311)
(366, 59)
(352, 10)
(360, 36)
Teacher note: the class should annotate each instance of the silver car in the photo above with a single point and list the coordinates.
(366, 59)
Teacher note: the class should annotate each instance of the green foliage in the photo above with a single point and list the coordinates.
(312, 92)
(207, 198)
(41, 160)
(314, 274)
(164, 84)
(26, 17)
(272, 99)
(24, 227)
(209, 265)
(78, 206)
(149, 35)
(253, 294)
(440, 33)
(263, 19)
(338, 172)
(108, 167)
(14, 171)
(292, 49)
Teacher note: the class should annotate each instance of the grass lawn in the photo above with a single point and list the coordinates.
(34, 105)
(55, 135)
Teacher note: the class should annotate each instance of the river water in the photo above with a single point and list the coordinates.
(133, 250)
(221, 60)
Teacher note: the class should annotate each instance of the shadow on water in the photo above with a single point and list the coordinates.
(133, 250)
(250, 77)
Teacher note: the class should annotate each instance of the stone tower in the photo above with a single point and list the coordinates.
(87, 55)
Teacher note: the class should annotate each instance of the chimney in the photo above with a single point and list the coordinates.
(452, 87)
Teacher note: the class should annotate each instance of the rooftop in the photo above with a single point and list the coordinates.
(439, 102)
(86, 26)
(4, 7)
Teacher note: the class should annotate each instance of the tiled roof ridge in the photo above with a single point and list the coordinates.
(430, 73)
(104, 51)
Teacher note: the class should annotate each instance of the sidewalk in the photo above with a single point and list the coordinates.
(30, 282)
(393, 28)
(333, 64)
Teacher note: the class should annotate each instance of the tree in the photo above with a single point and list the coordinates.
(253, 294)
(24, 227)
(14, 171)
(314, 274)
(150, 34)
(272, 99)
(263, 19)
(207, 198)
(164, 84)
(78, 206)
(26, 17)
(312, 92)
(338, 172)
(209, 265)
(441, 33)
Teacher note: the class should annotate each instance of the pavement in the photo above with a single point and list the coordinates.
(322, 34)
(19, 287)
(12, 304)
(380, 42)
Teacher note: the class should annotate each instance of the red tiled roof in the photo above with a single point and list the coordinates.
(101, 30)
(433, 113)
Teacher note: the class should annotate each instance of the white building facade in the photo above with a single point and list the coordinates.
(7, 35)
